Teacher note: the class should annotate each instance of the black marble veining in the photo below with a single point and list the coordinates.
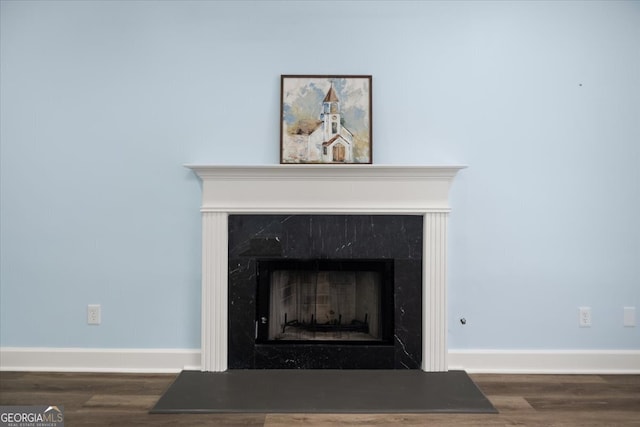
(395, 237)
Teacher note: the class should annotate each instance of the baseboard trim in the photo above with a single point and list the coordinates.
(98, 359)
(175, 360)
(546, 361)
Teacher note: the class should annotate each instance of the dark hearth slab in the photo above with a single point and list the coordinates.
(323, 391)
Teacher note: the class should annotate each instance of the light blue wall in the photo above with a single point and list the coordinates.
(102, 103)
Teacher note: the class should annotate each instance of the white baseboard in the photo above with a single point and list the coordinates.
(98, 359)
(546, 361)
(175, 360)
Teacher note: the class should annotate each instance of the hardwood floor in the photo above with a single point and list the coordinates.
(523, 400)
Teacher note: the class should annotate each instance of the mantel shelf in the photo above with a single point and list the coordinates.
(325, 171)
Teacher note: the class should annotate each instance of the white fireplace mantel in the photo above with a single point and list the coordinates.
(324, 189)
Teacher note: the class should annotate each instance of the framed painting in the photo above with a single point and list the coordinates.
(325, 119)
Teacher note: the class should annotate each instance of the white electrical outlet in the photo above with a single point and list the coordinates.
(93, 314)
(629, 317)
(584, 319)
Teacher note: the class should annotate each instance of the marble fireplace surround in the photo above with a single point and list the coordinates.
(323, 189)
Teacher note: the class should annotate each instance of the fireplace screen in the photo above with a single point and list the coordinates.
(324, 301)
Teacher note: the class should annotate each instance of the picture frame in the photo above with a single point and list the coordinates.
(326, 119)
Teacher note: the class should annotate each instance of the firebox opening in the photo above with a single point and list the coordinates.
(325, 301)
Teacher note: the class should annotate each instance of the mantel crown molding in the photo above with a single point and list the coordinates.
(325, 188)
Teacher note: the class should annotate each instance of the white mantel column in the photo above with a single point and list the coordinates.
(215, 324)
(434, 292)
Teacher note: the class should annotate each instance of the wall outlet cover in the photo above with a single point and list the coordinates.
(94, 316)
(584, 317)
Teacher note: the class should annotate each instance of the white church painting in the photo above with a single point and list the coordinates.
(325, 119)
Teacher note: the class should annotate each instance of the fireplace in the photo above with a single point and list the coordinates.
(325, 291)
(322, 191)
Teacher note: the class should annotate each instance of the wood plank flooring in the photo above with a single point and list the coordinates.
(523, 400)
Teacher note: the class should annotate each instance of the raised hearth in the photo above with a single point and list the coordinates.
(322, 190)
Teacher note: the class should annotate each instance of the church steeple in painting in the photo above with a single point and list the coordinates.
(330, 114)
